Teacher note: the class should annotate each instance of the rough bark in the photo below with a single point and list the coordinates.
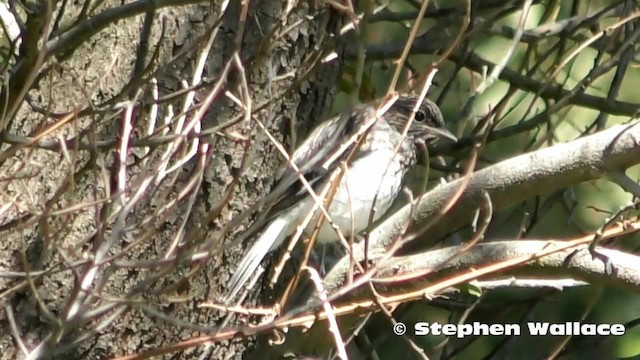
(277, 47)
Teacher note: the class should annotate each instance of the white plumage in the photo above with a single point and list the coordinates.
(377, 168)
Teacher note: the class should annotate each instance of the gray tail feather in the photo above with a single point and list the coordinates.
(266, 242)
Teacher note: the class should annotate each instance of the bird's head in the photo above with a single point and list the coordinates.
(427, 125)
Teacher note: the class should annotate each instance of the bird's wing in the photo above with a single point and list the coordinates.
(312, 156)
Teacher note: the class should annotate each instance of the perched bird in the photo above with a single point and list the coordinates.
(376, 167)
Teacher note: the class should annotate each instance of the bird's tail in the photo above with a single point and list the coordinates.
(267, 241)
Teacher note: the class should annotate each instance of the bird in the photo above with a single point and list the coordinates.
(376, 165)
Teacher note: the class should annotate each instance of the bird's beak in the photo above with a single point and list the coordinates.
(432, 132)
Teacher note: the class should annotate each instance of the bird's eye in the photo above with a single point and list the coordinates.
(420, 116)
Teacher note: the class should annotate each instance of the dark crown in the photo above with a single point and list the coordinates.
(428, 123)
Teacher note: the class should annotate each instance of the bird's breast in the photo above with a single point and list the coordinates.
(371, 182)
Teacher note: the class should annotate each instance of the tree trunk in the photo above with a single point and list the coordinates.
(96, 272)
